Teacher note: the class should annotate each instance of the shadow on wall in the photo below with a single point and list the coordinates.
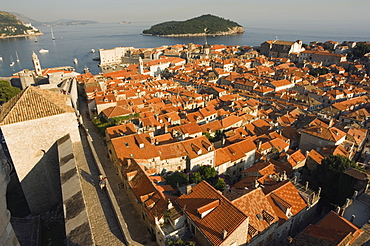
(41, 186)
(15, 199)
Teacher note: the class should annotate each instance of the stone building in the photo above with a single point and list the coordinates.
(318, 137)
(283, 49)
(326, 58)
(113, 56)
(30, 124)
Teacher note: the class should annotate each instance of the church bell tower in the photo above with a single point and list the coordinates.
(36, 64)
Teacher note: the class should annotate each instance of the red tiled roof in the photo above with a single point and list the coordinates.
(224, 217)
(255, 205)
(288, 193)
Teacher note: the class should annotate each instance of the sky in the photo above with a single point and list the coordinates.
(255, 12)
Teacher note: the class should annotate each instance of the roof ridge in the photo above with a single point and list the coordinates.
(34, 103)
(40, 92)
(9, 106)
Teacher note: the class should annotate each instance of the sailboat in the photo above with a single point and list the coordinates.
(52, 34)
(11, 63)
(16, 53)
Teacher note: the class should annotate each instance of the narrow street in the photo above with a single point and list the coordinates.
(137, 229)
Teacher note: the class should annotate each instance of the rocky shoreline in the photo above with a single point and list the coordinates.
(232, 31)
(22, 35)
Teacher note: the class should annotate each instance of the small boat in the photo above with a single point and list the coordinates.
(52, 34)
(75, 60)
(36, 39)
(43, 51)
(1, 58)
(92, 51)
(11, 63)
(16, 53)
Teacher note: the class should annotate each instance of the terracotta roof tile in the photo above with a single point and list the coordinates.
(224, 217)
(255, 205)
(34, 103)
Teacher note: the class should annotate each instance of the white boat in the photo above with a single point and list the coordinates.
(16, 53)
(75, 60)
(11, 63)
(92, 51)
(43, 51)
(52, 34)
(1, 58)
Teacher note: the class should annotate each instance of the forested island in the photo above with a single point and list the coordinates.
(205, 25)
(11, 26)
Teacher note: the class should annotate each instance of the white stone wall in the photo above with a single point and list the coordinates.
(174, 164)
(206, 159)
(157, 69)
(32, 147)
(112, 56)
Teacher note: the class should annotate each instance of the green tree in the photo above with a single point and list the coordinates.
(220, 184)
(336, 186)
(207, 172)
(337, 163)
(195, 178)
(360, 50)
(7, 91)
(180, 242)
(319, 71)
(176, 179)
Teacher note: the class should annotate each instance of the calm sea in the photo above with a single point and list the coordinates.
(77, 41)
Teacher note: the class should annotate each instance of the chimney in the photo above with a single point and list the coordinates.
(347, 203)
(318, 192)
(337, 209)
(224, 234)
(353, 218)
(188, 189)
(294, 181)
(354, 195)
(306, 188)
(128, 162)
(285, 177)
(331, 122)
(307, 153)
(259, 143)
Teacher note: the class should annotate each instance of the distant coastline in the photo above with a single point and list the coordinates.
(233, 31)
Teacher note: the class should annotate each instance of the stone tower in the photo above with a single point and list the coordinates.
(206, 48)
(31, 123)
(141, 66)
(36, 64)
(7, 235)
(27, 78)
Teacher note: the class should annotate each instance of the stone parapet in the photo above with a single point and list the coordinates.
(77, 225)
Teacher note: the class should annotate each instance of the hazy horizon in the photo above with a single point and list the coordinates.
(251, 12)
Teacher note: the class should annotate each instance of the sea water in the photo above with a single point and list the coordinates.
(77, 41)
